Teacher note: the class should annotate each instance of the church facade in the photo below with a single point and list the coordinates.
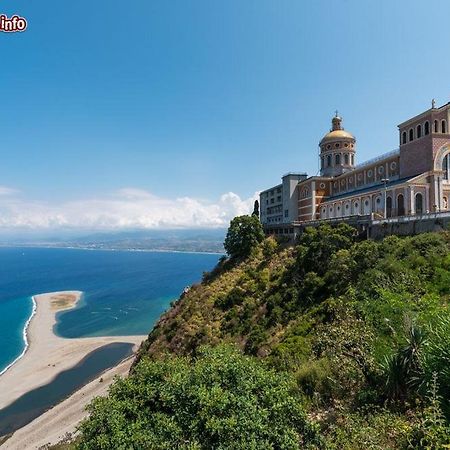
(413, 180)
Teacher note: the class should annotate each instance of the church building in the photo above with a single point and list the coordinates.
(413, 180)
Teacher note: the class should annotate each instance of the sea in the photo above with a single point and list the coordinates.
(124, 292)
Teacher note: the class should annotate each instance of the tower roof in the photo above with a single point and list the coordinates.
(337, 131)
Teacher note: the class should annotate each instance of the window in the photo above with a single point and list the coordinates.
(272, 200)
(329, 161)
(286, 213)
(404, 137)
(427, 128)
(419, 204)
(388, 206)
(321, 162)
(443, 127)
(419, 131)
(446, 166)
(353, 159)
(411, 135)
(338, 159)
(346, 159)
(279, 198)
(436, 126)
(337, 145)
(401, 205)
(304, 193)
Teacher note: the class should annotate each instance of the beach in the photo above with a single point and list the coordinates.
(47, 356)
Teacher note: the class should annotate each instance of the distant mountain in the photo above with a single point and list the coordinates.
(193, 240)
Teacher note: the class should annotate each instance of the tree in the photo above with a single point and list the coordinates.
(219, 400)
(244, 233)
(256, 209)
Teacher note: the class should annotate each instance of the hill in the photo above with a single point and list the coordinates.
(361, 329)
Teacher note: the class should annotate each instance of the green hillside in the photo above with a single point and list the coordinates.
(353, 335)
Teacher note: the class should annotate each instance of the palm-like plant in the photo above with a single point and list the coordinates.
(403, 369)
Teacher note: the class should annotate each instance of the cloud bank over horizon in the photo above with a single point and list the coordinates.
(127, 208)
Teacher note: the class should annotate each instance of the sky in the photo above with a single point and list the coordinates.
(175, 113)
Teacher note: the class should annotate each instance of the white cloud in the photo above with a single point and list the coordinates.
(128, 208)
(5, 191)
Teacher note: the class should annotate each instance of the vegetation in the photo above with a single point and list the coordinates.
(244, 234)
(220, 399)
(351, 336)
(256, 209)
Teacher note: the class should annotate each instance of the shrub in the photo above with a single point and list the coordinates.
(220, 400)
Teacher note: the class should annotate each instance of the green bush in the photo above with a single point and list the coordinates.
(220, 400)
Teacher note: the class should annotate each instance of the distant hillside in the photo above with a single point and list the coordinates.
(164, 240)
(363, 328)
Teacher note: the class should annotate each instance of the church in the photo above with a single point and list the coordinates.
(413, 180)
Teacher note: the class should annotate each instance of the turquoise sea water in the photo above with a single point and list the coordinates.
(124, 292)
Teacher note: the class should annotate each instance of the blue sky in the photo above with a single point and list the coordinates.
(111, 106)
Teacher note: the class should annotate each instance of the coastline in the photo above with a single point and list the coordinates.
(48, 355)
(143, 250)
(61, 421)
(25, 337)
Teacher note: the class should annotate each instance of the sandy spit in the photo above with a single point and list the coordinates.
(46, 356)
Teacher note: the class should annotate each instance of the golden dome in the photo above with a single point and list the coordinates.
(337, 131)
(336, 135)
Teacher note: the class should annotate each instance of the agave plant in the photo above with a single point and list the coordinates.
(403, 369)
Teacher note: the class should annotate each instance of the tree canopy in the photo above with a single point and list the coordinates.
(244, 233)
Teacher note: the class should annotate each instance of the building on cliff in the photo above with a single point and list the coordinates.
(412, 181)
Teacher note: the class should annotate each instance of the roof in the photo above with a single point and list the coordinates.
(335, 135)
(423, 114)
(271, 189)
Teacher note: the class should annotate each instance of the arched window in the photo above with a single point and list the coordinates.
(329, 161)
(404, 137)
(427, 128)
(388, 206)
(445, 203)
(419, 204)
(419, 131)
(411, 135)
(436, 126)
(346, 159)
(353, 160)
(446, 166)
(444, 126)
(338, 159)
(401, 205)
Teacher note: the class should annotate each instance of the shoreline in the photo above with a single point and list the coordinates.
(143, 250)
(47, 354)
(56, 424)
(25, 337)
